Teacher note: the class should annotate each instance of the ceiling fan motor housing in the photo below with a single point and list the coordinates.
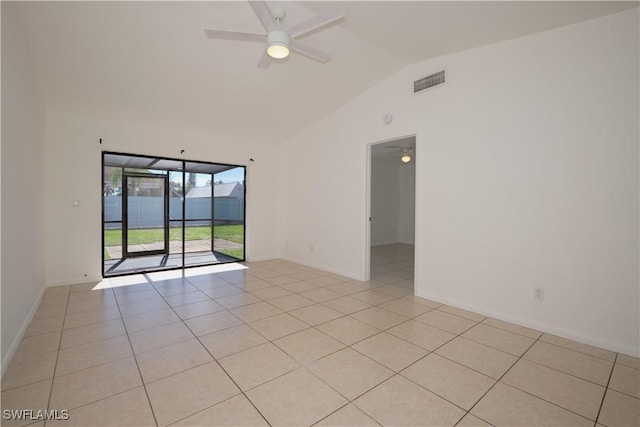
(278, 44)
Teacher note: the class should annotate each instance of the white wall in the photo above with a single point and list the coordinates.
(73, 172)
(407, 203)
(385, 181)
(527, 175)
(22, 188)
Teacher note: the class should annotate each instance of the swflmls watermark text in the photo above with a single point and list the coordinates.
(35, 414)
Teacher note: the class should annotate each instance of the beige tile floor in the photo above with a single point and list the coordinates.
(283, 344)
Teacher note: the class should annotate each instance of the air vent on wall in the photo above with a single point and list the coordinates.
(429, 81)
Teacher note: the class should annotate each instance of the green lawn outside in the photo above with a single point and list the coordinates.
(236, 253)
(233, 233)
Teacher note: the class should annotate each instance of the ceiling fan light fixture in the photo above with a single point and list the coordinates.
(278, 44)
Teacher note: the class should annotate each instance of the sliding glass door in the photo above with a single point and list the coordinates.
(146, 212)
(161, 213)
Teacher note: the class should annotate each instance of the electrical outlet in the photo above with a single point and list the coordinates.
(538, 294)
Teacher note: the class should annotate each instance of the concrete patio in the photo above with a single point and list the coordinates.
(175, 247)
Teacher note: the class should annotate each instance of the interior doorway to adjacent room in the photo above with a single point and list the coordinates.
(392, 201)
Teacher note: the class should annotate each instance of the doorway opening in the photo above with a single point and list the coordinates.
(392, 203)
(162, 214)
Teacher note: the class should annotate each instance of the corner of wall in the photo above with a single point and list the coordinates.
(22, 221)
(15, 343)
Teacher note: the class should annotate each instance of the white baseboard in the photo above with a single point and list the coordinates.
(76, 281)
(539, 326)
(23, 329)
(261, 258)
(322, 267)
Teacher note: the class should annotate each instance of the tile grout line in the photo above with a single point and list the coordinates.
(86, 368)
(135, 358)
(566, 373)
(528, 393)
(214, 360)
(314, 327)
(606, 389)
(577, 351)
(498, 380)
(300, 364)
(349, 346)
(268, 340)
(55, 366)
(349, 401)
(477, 322)
(453, 361)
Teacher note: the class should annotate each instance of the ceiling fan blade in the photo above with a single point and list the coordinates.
(309, 51)
(264, 14)
(265, 60)
(235, 35)
(314, 23)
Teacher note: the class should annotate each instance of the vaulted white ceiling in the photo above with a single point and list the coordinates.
(150, 61)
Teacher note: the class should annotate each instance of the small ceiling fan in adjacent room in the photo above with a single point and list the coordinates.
(280, 40)
(407, 155)
(402, 152)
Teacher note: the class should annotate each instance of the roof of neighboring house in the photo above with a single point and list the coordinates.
(197, 192)
(230, 189)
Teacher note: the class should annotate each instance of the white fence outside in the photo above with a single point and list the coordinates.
(147, 212)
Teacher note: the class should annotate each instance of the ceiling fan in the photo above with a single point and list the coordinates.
(280, 40)
(404, 152)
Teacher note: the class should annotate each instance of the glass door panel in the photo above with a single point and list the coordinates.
(176, 199)
(112, 214)
(198, 247)
(228, 210)
(146, 230)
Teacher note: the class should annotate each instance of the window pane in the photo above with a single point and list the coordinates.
(228, 211)
(112, 193)
(113, 242)
(175, 195)
(198, 196)
(146, 210)
(175, 237)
